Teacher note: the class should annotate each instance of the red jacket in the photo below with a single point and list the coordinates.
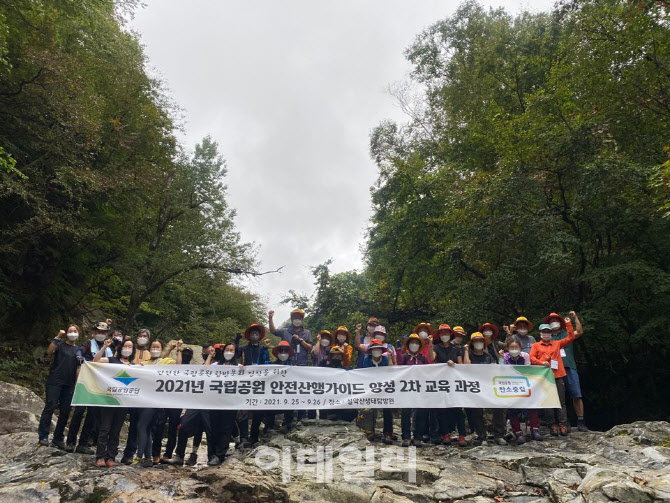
(542, 352)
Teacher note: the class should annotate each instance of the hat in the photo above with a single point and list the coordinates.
(556, 316)
(444, 326)
(477, 336)
(545, 326)
(342, 329)
(423, 324)
(379, 329)
(101, 325)
(458, 329)
(376, 344)
(326, 332)
(255, 326)
(283, 344)
(373, 320)
(297, 313)
(492, 327)
(523, 318)
(411, 338)
(335, 349)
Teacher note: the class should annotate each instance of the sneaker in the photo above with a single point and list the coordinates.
(175, 460)
(110, 463)
(215, 461)
(146, 463)
(82, 449)
(163, 460)
(387, 439)
(536, 435)
(100, 463)
(484, 443)
(417, 442)
(127, 460)
(500, 441)
(69, 447)
(44, 442)
(581, 426)
(520, 438)
(405, 442)
(156, 459)
(372, 437)
(58, 444)
(446, 439)
(192, 459)
(554, 431)
(563, 430)
(394, 437)
(462, 442)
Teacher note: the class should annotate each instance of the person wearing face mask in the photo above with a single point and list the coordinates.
(59, 385)
(572, 385)
(296, 335)
(335, 360)
(443, 351)
(142, 353)
(342, 337)
(284, 354)
(169, 417)
(89, 431)
(112, 418)
(254, 353)
(476, 354)
(497, 417)
(514, 356)
(425, 331)
(548, 353)
(520, 330)
(413, 355)
(369, 335)
(324, 340)
(375, 356)
(379, 334)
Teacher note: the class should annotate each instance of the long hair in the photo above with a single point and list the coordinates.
(118, 354)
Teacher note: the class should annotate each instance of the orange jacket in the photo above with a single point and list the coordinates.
(346, 357)
(542, 352)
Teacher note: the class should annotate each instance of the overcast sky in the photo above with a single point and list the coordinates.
(291, 90)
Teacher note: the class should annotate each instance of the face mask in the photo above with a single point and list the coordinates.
(282, 356)
(100, 337)
(341, 338)
(126, 352)
(487, 333)
(522, 332)
(155, 353)
(380, 337)
(458, 340)
(514, 352)
(325, 342)
(297, 322)
(254, 337)
(142, 341)
(376, 353)
(478, 345)
(118, 339)
(444, 338)
(423, 334)
(371, 328)
(72, 336)
(414, 347)
(228, 355)
(555, 325)
(546, 337)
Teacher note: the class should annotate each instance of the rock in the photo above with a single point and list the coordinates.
(15, 397)
(14, 421)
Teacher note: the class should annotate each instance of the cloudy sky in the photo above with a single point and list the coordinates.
(290, 89)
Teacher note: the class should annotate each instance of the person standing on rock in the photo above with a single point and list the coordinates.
(548, 353)
(342, 337)
(369, 335)
(572, 385)
(413, 355)
(59, 385)
(476, 354)
(367, 418)
(520, 330)
(112, 418)
(498, 417)
(254, 353)
(284, 354)
(324, 340)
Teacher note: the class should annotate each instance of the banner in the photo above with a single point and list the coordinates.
(279, 387)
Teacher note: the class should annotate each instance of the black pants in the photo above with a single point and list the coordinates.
(387, 417)
(420, 423)
(89, 430)
(222, 426)
(171, 418)
(478, 424)
(499, 422)
(192, 424)
(131, 442)
(450, 419)
(287, 419)
(111, 421)
(552, 416)
(57, 397)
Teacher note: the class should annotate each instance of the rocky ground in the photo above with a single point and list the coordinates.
(333, 461)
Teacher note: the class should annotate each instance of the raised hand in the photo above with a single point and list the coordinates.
(61, 333)
(271, 313)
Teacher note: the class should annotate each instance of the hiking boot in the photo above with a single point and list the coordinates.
(500, 441)
(58, 444)
(215, 461)
(446, 439)
(82, 449)
(387, 439)
(146, 463)
(44, 442)
(372, 437)
(536, 435)
(563, 430)
(417, 442)
(554, 431)
(405, 442)
(155, 460)
(581, 426)
(69, 447)
(127, 460)
(520, 438)
(394, 437)
(110, 463)
(100, 463)
(175, 460)
(462, 442)
(192, 459)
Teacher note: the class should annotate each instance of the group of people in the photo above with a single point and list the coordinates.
(100, 432)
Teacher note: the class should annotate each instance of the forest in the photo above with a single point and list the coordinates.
(532, 175)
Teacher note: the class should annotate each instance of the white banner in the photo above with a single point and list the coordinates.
(280, 387)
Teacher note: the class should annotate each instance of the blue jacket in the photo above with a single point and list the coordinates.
(367, 362)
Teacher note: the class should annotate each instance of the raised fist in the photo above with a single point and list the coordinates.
(271, 313)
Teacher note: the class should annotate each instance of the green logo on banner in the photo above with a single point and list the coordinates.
(124, 378)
